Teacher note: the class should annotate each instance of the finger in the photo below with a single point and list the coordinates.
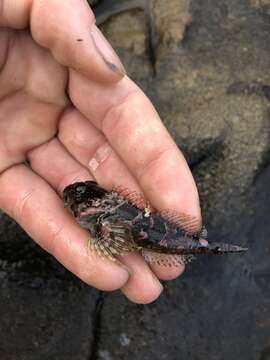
(36, 207)
(167, 273)
(89, 146)
(55, 164)
(143, 286)
(25, 122)
(132, 127)
(68, 29)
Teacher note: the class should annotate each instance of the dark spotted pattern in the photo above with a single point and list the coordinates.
(117, 226)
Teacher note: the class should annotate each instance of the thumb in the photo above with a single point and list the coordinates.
(68, 30)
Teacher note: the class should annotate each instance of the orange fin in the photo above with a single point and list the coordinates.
(113, 239)
(191, 224)
(133, 197)
(169, 260)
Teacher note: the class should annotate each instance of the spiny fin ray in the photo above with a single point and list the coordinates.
(113, 241)
(133, 197)
(168, 260)
(191, 224)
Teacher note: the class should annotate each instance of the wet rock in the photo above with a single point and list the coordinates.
(265, 354)
(45, 312)
(168, 25)
(262, 5)
(205, 66)
(211, 311)
(93, 2)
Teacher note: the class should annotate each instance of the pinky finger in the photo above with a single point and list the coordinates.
(38, 209)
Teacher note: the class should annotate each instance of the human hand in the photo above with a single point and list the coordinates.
(68, 113)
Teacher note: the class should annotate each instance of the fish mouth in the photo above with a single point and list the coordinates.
(66, 202)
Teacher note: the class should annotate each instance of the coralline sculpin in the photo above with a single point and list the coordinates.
(120, 222)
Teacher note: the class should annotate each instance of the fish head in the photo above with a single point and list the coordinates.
(83, 194)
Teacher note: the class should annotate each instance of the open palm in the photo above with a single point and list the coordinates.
(69, 113)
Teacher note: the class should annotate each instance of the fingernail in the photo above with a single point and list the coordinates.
(106, 51)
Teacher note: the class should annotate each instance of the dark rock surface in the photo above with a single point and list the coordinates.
(45, 312)
(205, 64)
(219, 309)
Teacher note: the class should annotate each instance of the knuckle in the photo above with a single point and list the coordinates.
(22, 204)
(122, 110)
(55, 232)
(154, 161)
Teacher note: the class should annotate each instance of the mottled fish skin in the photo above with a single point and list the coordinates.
(118, 226)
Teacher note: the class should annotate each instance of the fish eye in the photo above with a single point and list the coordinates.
(80, 189)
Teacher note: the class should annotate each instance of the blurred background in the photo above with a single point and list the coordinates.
(205, 65)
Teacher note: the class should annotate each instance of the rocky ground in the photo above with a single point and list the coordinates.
(205, 65)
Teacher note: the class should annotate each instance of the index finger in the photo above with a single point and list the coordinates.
(132, 126)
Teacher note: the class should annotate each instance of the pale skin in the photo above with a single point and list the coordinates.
(67, 114)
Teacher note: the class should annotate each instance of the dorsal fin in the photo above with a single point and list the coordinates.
(133, 197)
(191, 224)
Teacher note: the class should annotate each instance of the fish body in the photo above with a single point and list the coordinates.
(119, 224)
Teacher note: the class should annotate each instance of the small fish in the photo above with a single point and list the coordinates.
(120, 222)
